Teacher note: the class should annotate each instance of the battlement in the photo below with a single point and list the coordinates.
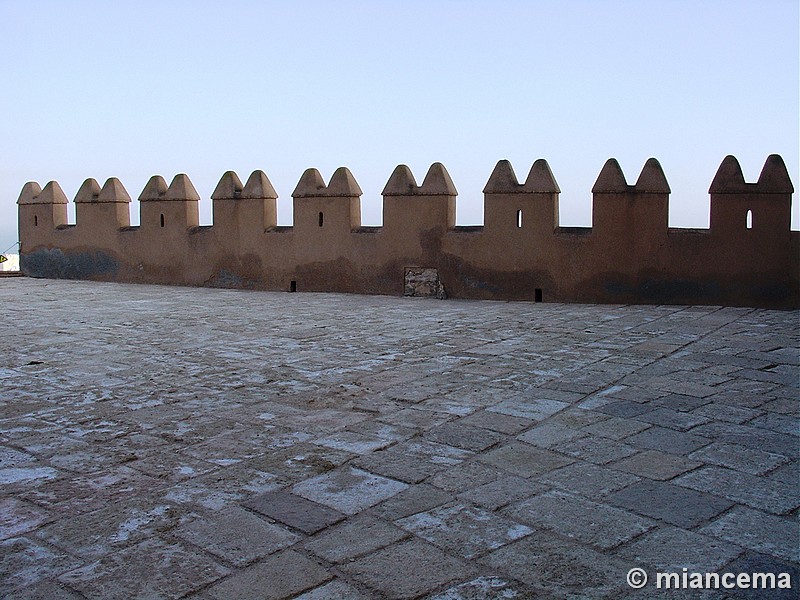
(749, 256)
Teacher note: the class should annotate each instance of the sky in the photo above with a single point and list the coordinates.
(133, 89)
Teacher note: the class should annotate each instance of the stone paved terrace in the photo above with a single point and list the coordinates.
(161, 442)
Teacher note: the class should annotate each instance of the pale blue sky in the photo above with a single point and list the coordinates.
(131, 89)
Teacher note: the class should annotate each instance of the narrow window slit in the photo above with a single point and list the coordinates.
(519, 218)
(320, 219)
(749, 219)
(162, 220)
(35, 221)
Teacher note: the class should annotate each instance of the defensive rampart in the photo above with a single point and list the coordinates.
(748, 257)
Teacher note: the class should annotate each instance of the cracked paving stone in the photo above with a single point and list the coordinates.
(150, 569)
(739, 458)
(348, 490)
(560, 568)
(575, 517)
(236, 535)
(18, 517)
(408, 569)
(353, 538)
(762, 532)
(756, 492)
(416, 498)
(655, 465)
(523, 459)
(587, 479)
(26, 561)
(466, 530)
(278, 576)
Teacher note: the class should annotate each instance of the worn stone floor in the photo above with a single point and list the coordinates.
(161, 442)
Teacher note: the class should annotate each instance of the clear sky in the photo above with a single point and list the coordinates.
(131, 89)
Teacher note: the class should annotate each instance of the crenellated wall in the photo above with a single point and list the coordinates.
(748, 257)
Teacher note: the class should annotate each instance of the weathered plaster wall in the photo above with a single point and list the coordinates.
(629, 255)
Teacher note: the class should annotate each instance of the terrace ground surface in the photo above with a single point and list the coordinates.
(160, 442)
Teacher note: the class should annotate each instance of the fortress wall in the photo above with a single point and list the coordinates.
(629, 255)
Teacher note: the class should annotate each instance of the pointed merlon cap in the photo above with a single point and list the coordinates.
(652, 178)
(155, 189)
(611, 179)
(541, 179)
(343, 183)
(88, 192)
(30, 193)
(113, 191)
(729, 177)
(774, 177)
(311, 184)
(401, 182)
(181, 189)
(437, 182)
(259, 187)
(228, 188)
(503, 180)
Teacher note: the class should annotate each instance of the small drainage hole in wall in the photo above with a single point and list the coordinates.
(293, 286)
(537, 295)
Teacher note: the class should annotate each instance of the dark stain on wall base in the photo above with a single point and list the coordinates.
(53, 263)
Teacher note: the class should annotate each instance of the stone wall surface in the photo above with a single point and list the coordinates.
(748, 256)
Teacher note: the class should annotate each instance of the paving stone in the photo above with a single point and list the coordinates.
(412, 462)
(787, 424)
(354, 538)
(616, 428)
(498, 422)
(464, 530)
(415, 499)
(278, 576)
(96, 534)
(408, 569)
(466, 475)
(235, 535)
(669, 503)
(751, 437)
(483, 587)
(756, 492)
(334, 590)
(751, 562)
(500, 492)
(559, 568)
(575, 517)
(532, 409)
(223, 486)
(762, 532)
(150, 569)
(719, 411)
(595, 449)
(623, 409)
(739, 458)
(668, 440)
(550, 433)
(42, 590)
(294, 511)
(524, 460)
(672, 549)
(348, 490)
(587, 479)
(463, 436)
(18, 517)
(673, 419)
(26, 561)
(350, 441)
(202, 418)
